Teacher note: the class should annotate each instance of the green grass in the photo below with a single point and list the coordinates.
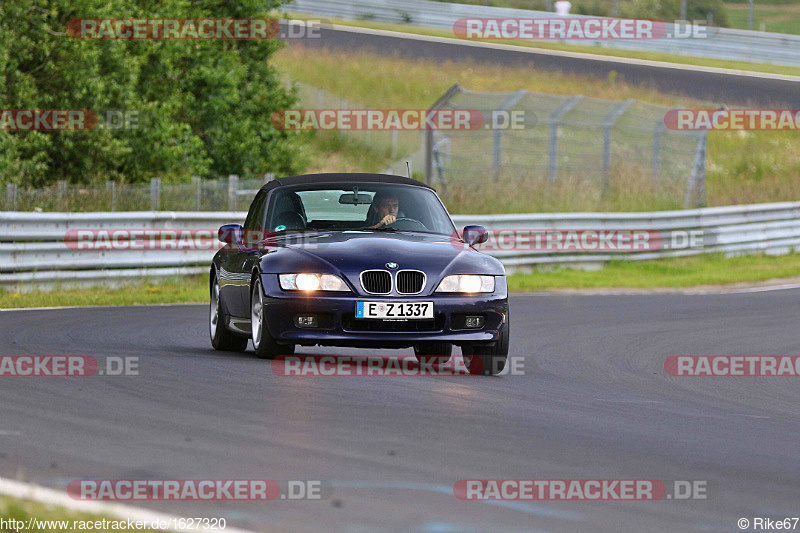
(774, 17)
(174, 290)
(709, 269)
(742, 167)
(23, 510)
(588, 49)
(702, 270)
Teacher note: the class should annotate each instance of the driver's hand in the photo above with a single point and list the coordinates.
(388, 219)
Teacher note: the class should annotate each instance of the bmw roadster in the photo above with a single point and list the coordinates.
(358, 260)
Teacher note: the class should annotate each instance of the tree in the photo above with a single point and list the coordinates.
(204, 106)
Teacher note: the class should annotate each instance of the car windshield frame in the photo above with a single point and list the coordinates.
(433, 203)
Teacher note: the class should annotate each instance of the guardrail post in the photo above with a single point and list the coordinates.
(269, 176)
(155, 194)
(11, 197)
(233, 188)
(198, 192)
(111, 185)
(608, 123)
(555, 119)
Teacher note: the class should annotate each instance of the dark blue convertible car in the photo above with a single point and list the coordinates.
(359, 260)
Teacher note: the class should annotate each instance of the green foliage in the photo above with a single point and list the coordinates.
(204, 105)
(668, 10)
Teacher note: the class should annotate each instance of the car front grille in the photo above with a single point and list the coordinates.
(376, 281)
(410, 281)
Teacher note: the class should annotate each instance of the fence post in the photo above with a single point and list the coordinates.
(697, 182)
(428, 134)
(498, 132)
(62, 188)
(608, 123)
(658, 132)
(233, 189)
(155, 194)
(269, 176)
(198, 192)
(11, 197)
(112, 186)
(555, 119)
(395, 138)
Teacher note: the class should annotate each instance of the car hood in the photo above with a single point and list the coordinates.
(351, 252)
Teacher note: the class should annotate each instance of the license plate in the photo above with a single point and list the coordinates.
(395, 310)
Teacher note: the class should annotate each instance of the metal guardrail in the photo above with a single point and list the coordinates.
(33, 249)
(721, 43)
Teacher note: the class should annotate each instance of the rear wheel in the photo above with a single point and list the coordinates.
(264, 344)
(221, 338)
(437, 353)
(487, 360)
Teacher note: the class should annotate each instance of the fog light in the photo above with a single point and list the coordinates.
(474, 322)
(306, 321)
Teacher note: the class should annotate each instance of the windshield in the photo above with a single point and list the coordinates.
(360, 206)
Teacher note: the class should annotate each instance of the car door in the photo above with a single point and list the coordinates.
(247, 258)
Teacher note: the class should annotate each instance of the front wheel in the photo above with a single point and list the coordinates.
(264, 344)
(487, 360)
(221, 338)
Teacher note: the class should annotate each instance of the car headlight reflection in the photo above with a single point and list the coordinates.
(312, 282)
(467, 283)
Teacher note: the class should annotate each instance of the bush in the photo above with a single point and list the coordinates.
(204, 105)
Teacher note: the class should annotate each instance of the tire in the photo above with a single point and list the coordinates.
(437, 353)
(221, 338)
(488, 360)
(263, 343)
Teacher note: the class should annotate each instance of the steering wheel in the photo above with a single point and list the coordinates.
(407, 224)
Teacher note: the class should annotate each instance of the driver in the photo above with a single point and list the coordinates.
(386, 208)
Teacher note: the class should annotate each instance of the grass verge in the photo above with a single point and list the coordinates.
(586, 49)
(188, 289)
(702, 270)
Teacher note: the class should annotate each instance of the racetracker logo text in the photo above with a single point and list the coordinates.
(584, 28)
(197, 489)
(733, 365)
(733, 119)
(185, 29)
(579, 489)
(404, 366)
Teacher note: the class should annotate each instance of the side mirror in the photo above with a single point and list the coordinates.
(231, 234)
(475, 235)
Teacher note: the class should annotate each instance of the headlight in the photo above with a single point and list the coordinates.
(312, 282)
(467, 283)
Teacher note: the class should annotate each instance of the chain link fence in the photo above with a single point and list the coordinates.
(585, 150)
(231, 194)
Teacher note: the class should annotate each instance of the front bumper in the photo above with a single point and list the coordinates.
(340, 328)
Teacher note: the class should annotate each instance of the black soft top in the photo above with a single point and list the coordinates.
(313, 179)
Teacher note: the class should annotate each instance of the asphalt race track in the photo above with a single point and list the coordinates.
(757, 89)
(594, 403)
